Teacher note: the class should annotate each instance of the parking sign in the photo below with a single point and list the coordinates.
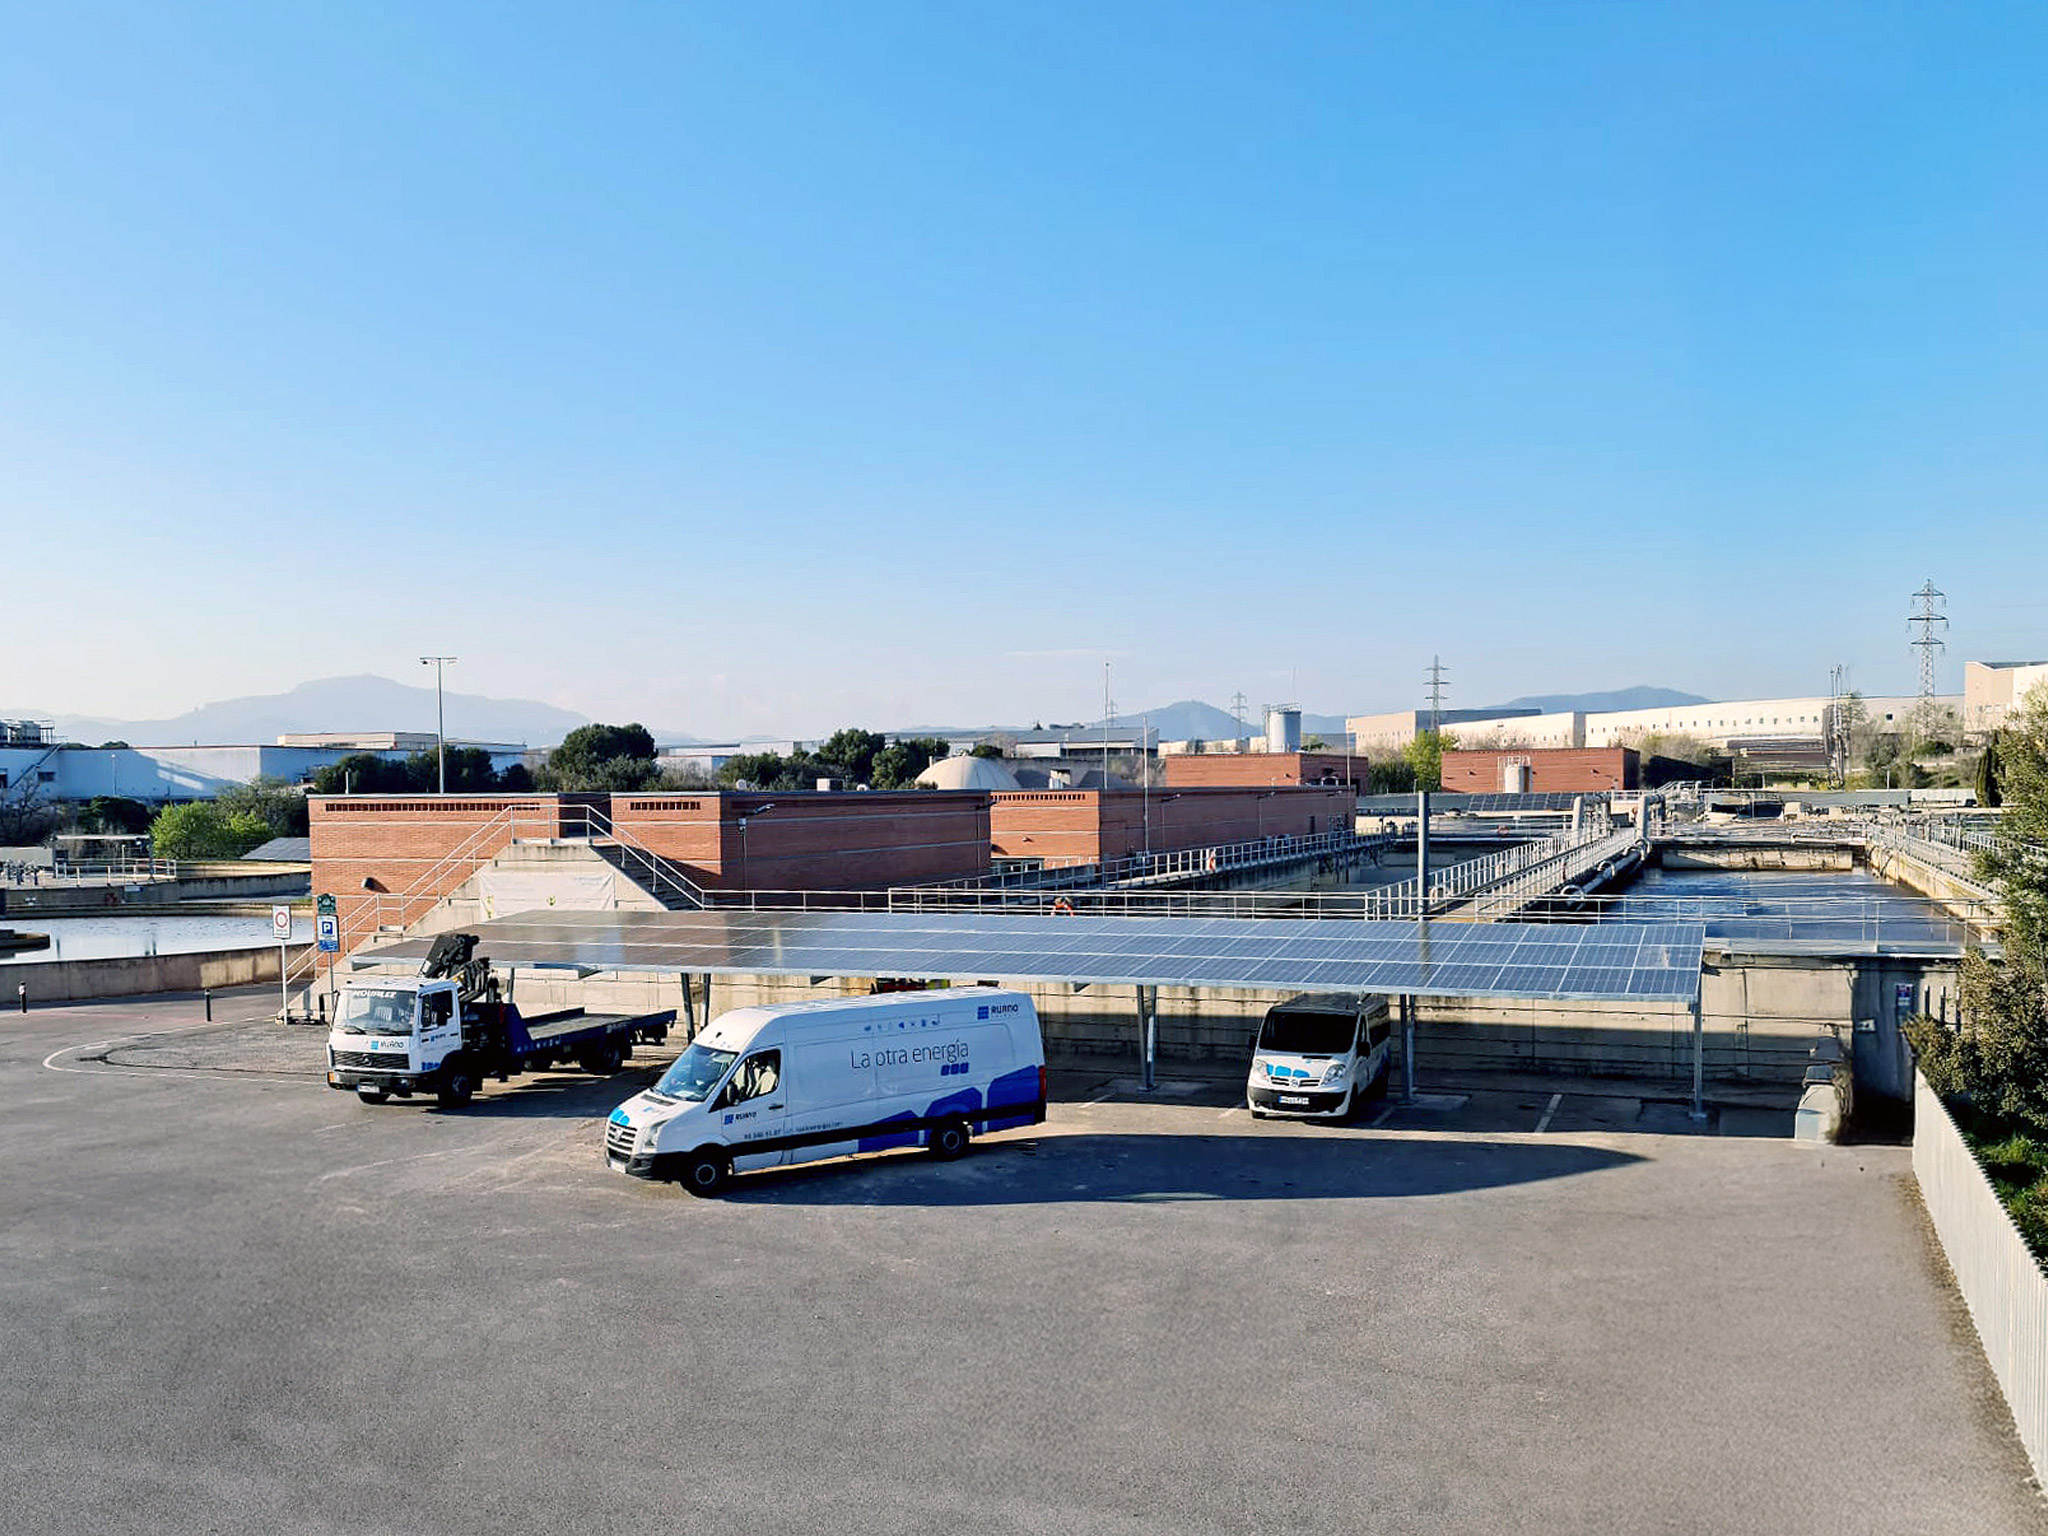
(327, 928)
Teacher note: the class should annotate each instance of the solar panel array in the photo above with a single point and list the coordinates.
(1447, 801)
(1646, 962)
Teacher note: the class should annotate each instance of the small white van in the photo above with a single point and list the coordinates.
(762, 1087)
(1319, 1055)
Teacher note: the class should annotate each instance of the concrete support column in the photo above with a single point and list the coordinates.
(1407, 1005)
(1148, 1035)
(1698, 1112)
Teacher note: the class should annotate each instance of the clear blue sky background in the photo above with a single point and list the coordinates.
(774, 367)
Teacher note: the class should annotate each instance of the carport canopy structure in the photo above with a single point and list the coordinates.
(1610, 962)
(1597, 962)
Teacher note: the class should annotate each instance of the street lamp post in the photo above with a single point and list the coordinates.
(759, 810)
(440, 720)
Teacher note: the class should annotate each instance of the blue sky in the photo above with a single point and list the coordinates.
(775, 367)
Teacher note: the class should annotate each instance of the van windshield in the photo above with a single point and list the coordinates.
(1308, 1034)
(696, 1072)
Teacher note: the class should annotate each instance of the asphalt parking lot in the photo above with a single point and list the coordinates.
(238, 1301)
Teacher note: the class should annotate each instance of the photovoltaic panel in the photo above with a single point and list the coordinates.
(1612, 961)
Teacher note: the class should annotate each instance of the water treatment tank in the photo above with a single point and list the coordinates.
(1283, 728)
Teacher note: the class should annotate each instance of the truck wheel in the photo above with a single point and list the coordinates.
(948, 1139)
(706, 1170)
(625, 1050)
(374, 1095)
(457, 1087)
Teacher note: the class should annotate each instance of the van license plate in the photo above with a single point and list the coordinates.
(1294, 1098)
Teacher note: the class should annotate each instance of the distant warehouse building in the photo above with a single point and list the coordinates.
(1591, 770)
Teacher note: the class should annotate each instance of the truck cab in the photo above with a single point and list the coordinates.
(1319, 1056)
(395, 1035)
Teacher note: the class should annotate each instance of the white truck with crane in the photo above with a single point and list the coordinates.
(447, 1029)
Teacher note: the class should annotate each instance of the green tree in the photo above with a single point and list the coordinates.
(202, 830)
(370, 773)
(1997, 1061)
(850, 754)
(1990, 789)
(1425, 755)
(989, 750)
(114, 813)
(601, 757)
(898, 764)
(1391, 776)
(278, 805)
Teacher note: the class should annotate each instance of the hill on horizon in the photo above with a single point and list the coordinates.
(1642, 696)
(365, 703)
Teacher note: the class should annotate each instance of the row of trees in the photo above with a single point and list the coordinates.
(852, 755)
(1993, 1068)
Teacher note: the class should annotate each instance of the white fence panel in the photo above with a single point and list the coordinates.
(2001, 1282)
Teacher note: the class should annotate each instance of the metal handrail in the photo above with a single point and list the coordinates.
(1178, 863)
(662, 871)
(354, 930)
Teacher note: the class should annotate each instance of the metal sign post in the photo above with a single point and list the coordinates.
(327, 933)
(281, 930)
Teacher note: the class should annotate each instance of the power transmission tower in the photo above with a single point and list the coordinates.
(1838, 728)
(1436, 695)
(1927, 614)
(1237, 704)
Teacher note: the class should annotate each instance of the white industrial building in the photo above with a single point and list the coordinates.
(1725, 725)
(1992, 688)
(33, 765)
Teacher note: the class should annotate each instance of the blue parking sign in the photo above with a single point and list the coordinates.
(327, 927)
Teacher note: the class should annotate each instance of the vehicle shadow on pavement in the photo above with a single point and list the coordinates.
(1171, 1169)
(566, 1094)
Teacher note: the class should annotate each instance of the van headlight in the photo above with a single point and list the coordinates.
(1334, 1074)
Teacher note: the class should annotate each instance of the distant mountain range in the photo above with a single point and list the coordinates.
(329, 704)
(379, 704)
(1640, 697)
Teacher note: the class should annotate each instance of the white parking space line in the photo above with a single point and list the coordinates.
(1551, 1109)
(1237, 1109)
(1380, 1119)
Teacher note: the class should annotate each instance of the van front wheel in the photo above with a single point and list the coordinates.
(949, 1139)
(705, 1172)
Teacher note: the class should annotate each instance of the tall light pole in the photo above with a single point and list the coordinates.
(759, 810)
(440, 720)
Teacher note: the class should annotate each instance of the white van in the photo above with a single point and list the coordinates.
(1319, 1055)
(789, 1084)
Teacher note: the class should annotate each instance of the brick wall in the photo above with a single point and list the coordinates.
(1061, 827)
(860, 840)
(807, 842)
(1208, 770)
(1551, 770)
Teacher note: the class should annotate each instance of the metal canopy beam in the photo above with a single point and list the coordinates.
(1628, 962)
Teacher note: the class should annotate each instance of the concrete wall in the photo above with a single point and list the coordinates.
(75, 980)
(288, 882)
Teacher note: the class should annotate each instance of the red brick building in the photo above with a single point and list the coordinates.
(1541, 770)
(369, 850)
(1058, 827)
(1219, 770)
